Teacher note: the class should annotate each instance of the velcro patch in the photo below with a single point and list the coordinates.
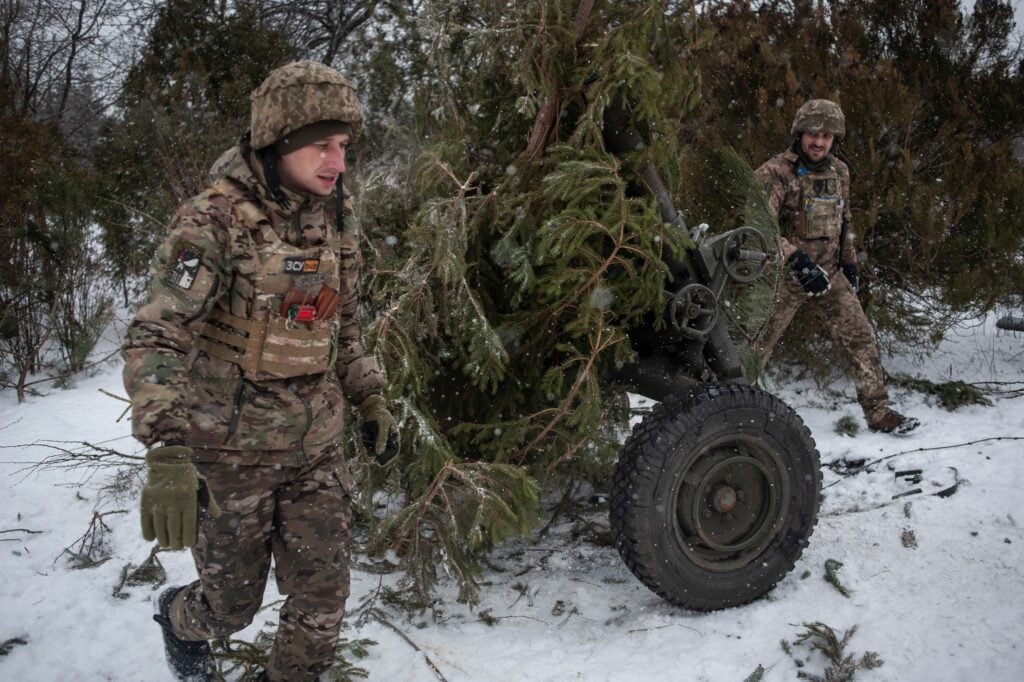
(825, 187)
(185, 265)
(298, 265)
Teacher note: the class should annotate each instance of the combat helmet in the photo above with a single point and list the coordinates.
(819, 116)
(298, 95)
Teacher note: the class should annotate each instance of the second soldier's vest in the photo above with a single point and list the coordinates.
(277, 320)
(820, 214)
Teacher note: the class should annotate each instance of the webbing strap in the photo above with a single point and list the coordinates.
(240, 324)
(235, 341)
(216, 350)
(276, 347)
(254, 349)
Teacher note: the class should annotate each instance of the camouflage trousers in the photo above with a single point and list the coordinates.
(298, 516)
(840, 312)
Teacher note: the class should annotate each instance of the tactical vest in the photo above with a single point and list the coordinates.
(821, 210)
(290, 325)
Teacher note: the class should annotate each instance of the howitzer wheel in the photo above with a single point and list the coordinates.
(715, 495)
(745, 254)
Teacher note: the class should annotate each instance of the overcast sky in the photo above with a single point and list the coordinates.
(1018, 11)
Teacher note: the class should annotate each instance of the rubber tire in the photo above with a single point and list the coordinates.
(648, 479)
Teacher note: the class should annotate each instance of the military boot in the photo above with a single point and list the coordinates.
(895, 423)
(189, 661)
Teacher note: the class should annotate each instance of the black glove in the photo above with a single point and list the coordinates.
(812, 278)
(850, 270)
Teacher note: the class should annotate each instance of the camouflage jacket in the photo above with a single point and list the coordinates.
(813, 208)
(208, 268)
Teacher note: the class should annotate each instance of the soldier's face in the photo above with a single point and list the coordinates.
(315, 168)
(816, 146)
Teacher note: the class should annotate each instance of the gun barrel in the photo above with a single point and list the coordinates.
(620, 136)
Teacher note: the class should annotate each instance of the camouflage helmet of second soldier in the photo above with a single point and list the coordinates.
(297, 95)
(819, 116)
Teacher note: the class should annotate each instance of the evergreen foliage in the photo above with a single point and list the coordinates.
(847, 425)
(520, 253)
(950, 394)
(844, 666)
(747, 307)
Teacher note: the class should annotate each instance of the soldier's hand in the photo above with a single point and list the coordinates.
(851, 271)
(380, 436)
(812, 278)
(172, 497)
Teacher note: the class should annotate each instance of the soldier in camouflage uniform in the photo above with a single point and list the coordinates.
(809, 191)
(240, 365)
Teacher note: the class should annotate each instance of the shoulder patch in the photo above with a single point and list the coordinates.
(184, 264)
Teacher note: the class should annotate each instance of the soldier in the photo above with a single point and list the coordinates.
(239, 366)
(809, 192)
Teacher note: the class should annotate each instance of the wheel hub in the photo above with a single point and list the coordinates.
(730, 504)
(724, 499)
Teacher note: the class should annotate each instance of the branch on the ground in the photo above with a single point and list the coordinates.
(379, 617)
(90, 550)
(868, 465)
(1015, 389)
(18, 530)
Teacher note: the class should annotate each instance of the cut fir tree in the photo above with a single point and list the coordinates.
(530, 279)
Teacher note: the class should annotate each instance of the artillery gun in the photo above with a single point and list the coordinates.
(716, 492)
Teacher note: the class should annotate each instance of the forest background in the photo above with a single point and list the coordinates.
(507, 252)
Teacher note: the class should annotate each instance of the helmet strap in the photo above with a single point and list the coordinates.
(339, 212)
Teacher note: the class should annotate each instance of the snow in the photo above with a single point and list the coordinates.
(564, 609)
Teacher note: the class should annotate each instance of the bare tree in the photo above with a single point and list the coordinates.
(318, 28)
(59, 61)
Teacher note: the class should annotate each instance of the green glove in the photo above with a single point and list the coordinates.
(171, 499)
(379, 433)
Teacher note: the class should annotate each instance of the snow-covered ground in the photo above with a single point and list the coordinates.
(936, 583)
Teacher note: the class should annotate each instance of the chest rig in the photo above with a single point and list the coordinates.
(277, 321)
(820, 215)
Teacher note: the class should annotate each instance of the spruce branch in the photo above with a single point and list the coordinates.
(548, 112)
(749, 306)
(602, 341)
(824, 639)
(832, 567)
(467, 508)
